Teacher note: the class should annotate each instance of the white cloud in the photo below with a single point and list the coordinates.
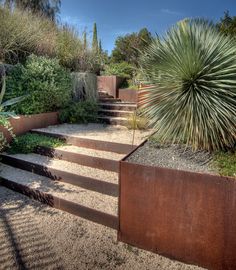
(170, 12)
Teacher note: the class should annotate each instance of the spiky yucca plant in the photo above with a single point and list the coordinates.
(193, 95)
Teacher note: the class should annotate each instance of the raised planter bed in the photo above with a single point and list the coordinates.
(24, 123)
(180, 214)
(109, 84)
(129, 95)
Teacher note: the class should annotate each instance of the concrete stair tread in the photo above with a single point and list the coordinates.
(68, 167)
(115, 111)
(91, 152)
(75, 194)
(118, 104)
(112, 118)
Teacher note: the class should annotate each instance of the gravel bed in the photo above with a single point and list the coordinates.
(101, 132)
(70, 167)
(91, 152)
(91, 199)
(34, 236)
(172, 156)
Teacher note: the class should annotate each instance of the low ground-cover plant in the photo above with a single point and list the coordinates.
(80, 112)
(225, 163)
(28, 143)
(46, 84)
(194, 95)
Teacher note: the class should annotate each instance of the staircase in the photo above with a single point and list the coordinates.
(113, 111)
(80, 178)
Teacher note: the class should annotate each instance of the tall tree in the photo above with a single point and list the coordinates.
(95, 38)
(100, 46)
(128, 47)
(47, 8)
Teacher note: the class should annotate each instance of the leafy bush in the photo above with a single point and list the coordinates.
(28, 142)
(46, 83)
(122, 69)
(81, 112)
(193, 98)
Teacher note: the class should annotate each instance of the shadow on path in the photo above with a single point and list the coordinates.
(23, 245)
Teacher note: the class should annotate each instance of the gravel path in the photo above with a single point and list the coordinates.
(85, 197)
(34, 236)
(101, 132)
(173, 156)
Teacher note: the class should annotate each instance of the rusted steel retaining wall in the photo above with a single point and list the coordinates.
(110, 84)
(183, 215)
(24, 124)
(129, 95)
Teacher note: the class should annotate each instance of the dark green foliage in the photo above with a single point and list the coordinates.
(127, 48)
(122, 69)
(81, 112)
(227, 24)
(28, 142)
(95, 39)
(46, 84)
(47, 8)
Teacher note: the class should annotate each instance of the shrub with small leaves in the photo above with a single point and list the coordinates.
(47, 85)
(80, 112)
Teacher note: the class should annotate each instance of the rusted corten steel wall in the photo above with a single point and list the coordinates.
(23, 124)
(110, 84)
(129, 95)
(187, 216)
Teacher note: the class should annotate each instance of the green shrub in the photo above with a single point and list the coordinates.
(81, 112)
(122, 69)
(28, 142)
(46, 83)
(193, 98)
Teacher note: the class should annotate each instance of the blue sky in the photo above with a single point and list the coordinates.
(119, 17)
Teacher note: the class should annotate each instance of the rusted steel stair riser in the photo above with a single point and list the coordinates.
(64, 205)
(85, 160)
(63, 176)
(119, 148)
(118, 106)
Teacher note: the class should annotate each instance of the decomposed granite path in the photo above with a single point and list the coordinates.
(35, 236)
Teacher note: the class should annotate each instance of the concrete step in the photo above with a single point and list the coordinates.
(84, 156)
(120, 148)
(87, 204)
(89, 178)
(115, 113)
(121, 121)
(123, 106)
